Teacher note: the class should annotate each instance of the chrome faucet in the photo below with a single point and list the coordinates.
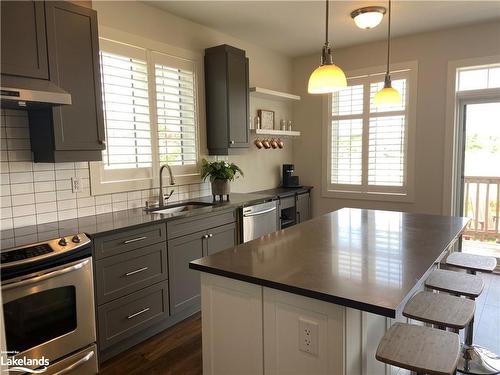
(161, 198)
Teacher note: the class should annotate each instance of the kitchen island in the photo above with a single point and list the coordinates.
(316, 298)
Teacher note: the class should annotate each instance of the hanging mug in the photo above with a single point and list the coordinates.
(280, 143)
(273, 143)
(266, 143)
(258, 143)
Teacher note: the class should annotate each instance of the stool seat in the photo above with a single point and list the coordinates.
(420, 349)
(455, 282)
(440, 309)
(472, 262)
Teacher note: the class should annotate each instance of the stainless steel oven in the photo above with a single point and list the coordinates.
(48, 304)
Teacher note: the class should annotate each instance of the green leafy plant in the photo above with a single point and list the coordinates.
(219, 170)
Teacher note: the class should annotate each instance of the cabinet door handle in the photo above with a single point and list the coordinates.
(210, 235)
(231, 142)
(135, 240)
(138, 313)
(136, 271)
(205, 236)
(102, 142)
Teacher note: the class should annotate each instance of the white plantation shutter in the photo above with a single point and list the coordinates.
(126, 112)
(368, 143)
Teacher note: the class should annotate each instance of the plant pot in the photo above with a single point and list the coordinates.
(221, 187)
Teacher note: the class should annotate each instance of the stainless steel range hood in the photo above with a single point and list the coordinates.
(19, 92)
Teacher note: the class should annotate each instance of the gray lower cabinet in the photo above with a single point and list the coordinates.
(184, 282)
(303, 206)
(221, 238)
(126, 316)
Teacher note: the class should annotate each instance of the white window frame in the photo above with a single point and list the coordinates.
(377, 193)
(105, 181)
(453, 125)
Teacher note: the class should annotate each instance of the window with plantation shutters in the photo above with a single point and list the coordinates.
(150, 112)
(176, 110)
(368, 148)
(126, 112)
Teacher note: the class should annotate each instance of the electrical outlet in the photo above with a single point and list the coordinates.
(76, 184)
(309, 336)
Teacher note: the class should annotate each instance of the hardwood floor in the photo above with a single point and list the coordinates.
(176, 351)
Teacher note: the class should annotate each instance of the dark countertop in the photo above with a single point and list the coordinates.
(283, 192)
(104, 223)
(365, 259)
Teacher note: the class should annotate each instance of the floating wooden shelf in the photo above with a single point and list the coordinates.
(260, 92)
(282, 133)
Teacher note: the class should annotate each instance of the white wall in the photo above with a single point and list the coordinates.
(433, 51)
(135, 21)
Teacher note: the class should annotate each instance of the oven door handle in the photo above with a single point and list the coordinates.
(76, 364)
(46, 276)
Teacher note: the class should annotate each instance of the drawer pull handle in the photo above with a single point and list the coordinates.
(135, 239)
(138, 313)
(136, 271)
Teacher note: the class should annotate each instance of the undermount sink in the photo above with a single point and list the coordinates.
(179, 207)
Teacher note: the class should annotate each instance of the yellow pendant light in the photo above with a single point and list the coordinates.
(328, 77)
(388, 96)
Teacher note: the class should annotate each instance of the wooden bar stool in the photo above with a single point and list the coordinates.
(474, 359)
(440, 309)
(424, 350)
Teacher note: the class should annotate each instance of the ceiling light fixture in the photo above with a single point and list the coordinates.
(328, 77)
(368, 17)
(388, 95)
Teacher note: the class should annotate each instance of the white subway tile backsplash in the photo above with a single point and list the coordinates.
(36, 193)
(42, 208)
(45, 197)
(66, 204)
(21, 177)
(24, 210)
(44, 176)
(45, 186)
(22, 199)
(26, 188)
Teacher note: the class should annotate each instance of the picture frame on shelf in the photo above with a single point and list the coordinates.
(266, 118)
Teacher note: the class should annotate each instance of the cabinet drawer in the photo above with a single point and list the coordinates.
(287, 202)
(129, 315)
(123, 274)
(190, 225)
(130, 239)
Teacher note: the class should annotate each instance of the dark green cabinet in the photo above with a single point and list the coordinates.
(303, 207)
(227, 99)
(74, 132)
(23, 38)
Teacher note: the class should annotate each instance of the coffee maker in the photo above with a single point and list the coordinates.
(288, 179)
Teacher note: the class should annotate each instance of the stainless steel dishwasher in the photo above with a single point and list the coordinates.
(259, 219)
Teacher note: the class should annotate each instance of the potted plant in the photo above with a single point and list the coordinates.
(220, 173)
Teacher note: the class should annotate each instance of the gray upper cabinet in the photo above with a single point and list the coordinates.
(24, 46)
(74, 132)
(227, 99)
(303, 206)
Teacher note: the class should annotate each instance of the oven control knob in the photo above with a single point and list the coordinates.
(62, 242)
(75, 239)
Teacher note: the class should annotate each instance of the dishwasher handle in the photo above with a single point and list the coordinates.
(259, 212)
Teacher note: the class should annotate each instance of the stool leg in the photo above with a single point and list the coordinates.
(475, 359)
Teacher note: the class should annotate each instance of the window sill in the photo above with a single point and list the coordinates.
(371, 196)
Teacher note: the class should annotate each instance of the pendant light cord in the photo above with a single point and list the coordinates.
(389, 38)
(326, 32)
